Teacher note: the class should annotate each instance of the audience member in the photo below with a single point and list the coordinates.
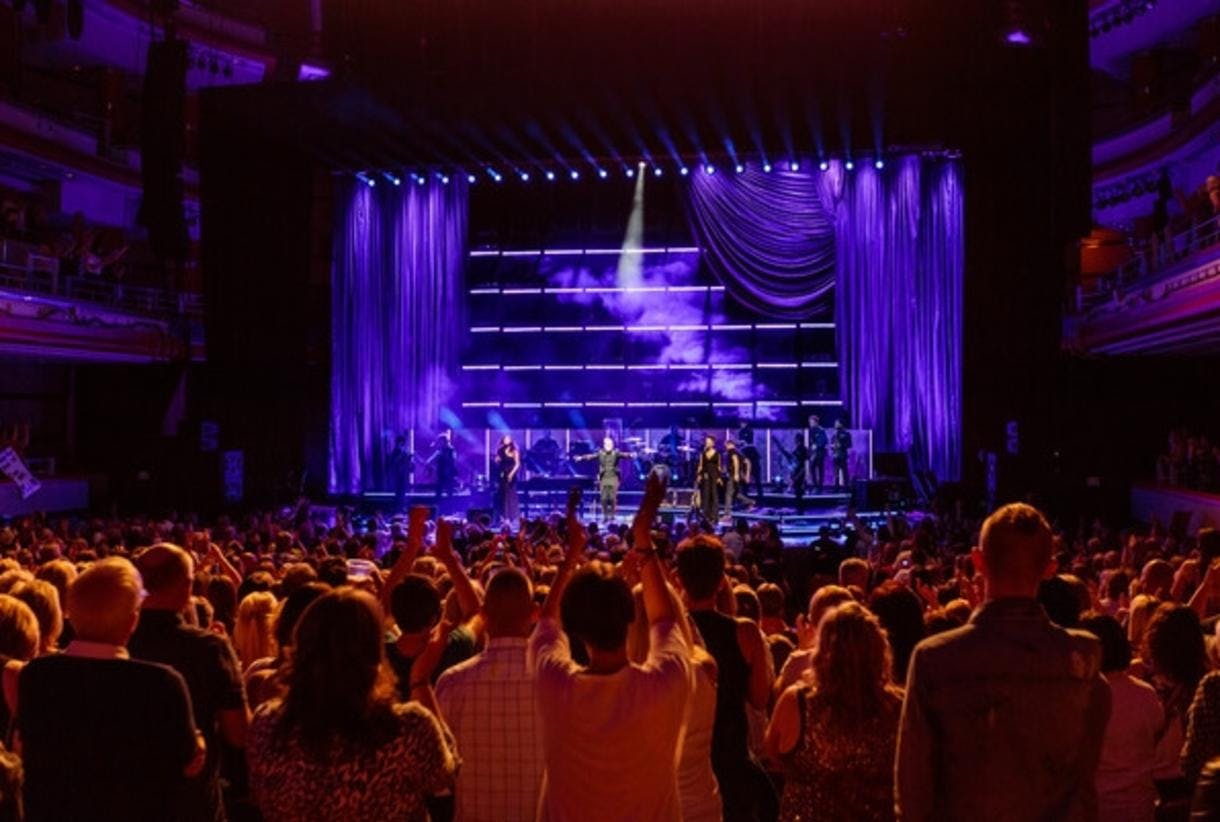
(126, 751)
(1125, 786)
(489, 703)
(834, 734)
(611, 729)
(204, 659)
(1004, 717)
(338, 745)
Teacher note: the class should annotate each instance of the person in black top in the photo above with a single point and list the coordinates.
(744, 676)
(105, 737)
(840, 450)
(818, 441)
(799, 459)
(507, 464)
(735, 473)
(708, 475)
(204, 658)
(749, 451)
(401, 463)
(445, 457)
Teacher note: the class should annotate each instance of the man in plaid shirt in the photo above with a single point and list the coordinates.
(490, 705)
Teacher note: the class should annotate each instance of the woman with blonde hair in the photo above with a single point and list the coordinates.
(835, 733)
(253, 637)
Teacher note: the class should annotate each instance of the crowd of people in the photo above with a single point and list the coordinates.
(295, 665)
(1190, 460)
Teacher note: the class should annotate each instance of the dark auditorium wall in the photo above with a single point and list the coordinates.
(267, 374)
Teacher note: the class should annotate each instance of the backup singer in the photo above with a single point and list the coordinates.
(753, 461)
(708, 475)
(736, 476)
(608, 477)
(818, 441)
(508, 463)
(401, 465)
(840, 450)
(445, 457)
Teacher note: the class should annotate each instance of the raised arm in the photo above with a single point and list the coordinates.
(657, 604)
(467, 596)
(577, 540)
(416, 522)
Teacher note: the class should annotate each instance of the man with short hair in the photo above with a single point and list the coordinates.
(489, 705)
(1004, 717)
(744, 678)
(610, 729)
(103, 736)
(204, 658)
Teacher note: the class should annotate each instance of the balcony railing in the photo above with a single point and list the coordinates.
(1150, 263)
(23, 269)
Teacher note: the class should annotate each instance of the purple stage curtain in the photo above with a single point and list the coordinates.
(767, 237)
(889, 242)
(396, 320)
(898, 304)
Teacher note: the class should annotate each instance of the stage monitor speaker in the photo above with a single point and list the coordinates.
(892, 464)
(882, 494)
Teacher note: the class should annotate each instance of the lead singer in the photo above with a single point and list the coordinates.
(708, 476)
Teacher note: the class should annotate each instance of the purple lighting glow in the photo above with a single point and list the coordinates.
(1018, 37)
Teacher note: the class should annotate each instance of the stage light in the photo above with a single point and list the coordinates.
(419, 180)
(601, 172)
(574, 174)
(470, 178)
(1018, 37)
(794, 166)
(824, 166)
(364, 178)
(684, 171)
(849, 165)
(550, 176)
(525, 176)
(739, 168)
(709, 169)
(391, 178)
(656, 171)
(630, 172)
(880, 164)
(766, 168)
(444, 180)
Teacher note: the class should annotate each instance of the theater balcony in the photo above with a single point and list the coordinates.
(1148, 275)
(44, 315)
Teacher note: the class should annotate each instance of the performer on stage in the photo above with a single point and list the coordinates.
(753, 460)
(707, 474)
(508, 463)
(840, 450)
(401, 463)
(735, 473)
(818, 441)
(445, 458)
(608, 478)
(800, 460)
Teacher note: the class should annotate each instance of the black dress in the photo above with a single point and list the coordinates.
(506, 484)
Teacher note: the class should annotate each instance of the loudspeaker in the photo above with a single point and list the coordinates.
(892, 464)
(163, 147)
(881, 494)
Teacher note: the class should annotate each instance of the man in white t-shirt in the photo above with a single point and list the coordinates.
(611, 729)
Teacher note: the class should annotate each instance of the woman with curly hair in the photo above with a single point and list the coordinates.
(834, 734)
